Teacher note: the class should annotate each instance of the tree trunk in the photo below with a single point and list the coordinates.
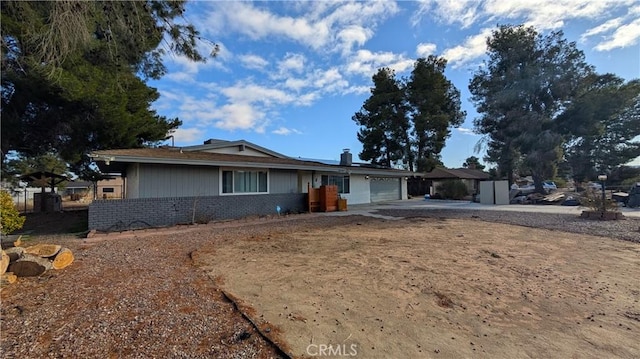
(14, 253)
(4, 262)
(43, 250)
(8, 278)
(63, 259)
(30, 266)
(537, 181)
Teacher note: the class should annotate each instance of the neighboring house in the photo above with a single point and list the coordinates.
(469, 176)
(111, 188)
(80, 188)
(227, 179)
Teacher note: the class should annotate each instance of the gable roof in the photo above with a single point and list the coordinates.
(78, 184)
(116, 161)
(456, 173)
(213, 144)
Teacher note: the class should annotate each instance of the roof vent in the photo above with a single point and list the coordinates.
(346, 158)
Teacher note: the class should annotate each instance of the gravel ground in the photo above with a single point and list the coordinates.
(138, 294)
(627, 229)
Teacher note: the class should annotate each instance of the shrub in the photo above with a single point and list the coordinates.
(452, 189)
(11, 218)
(593, 200)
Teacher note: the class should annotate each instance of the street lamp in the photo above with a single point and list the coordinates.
(602, 178)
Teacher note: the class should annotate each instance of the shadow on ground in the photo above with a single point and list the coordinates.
(67, 222)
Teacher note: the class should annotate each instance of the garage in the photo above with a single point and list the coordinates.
(385, 189)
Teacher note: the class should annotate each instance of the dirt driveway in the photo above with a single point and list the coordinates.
(435, 288)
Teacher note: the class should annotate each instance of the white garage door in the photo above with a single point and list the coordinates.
(385, 189)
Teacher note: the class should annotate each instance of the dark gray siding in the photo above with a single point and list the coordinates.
(281, 181)
(161, 181)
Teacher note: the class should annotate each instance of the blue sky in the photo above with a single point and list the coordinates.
(291, 74)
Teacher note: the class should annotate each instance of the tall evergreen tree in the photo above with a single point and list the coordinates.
(48, 162)
(73, 74)
(527, 81)
(600, 126)
(409, 122)
(434, 108)
(384, 127)
(473, 162)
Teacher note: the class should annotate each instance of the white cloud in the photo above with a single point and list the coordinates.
(321, 25)
(473, 47)
(292, 63)
(466, 131)
(254, 62)
(353, 35)
(237, 113)
(330, 80)
(167, 100)
(425, 49)
(248, 106)
(189, 69)
(357, 90)
(307, 99)
(182, 77)
(367, 63)
(542, 14)
(256, 23)
(188, 135)
(464, 12)
(296, 84)
(197, 112)
(619, 32)
(624, 36)
(602, 28)
(238, 116)
(252, 93)
(285, 131)
(550, 14)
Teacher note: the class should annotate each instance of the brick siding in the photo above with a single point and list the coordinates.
(127, 214)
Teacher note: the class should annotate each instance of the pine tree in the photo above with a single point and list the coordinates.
(434, 108)
(383, 122)
(527, 81)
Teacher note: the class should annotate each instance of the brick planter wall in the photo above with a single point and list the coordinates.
(127, 214)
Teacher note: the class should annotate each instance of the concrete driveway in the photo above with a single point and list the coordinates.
(419, 203)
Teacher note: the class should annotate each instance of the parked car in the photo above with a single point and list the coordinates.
(548, 186)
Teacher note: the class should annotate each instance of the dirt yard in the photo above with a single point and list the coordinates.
(353, 286)
(434, 288)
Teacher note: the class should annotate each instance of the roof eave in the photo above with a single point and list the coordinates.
(249, 164)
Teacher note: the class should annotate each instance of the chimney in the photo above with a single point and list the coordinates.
(346, 158)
